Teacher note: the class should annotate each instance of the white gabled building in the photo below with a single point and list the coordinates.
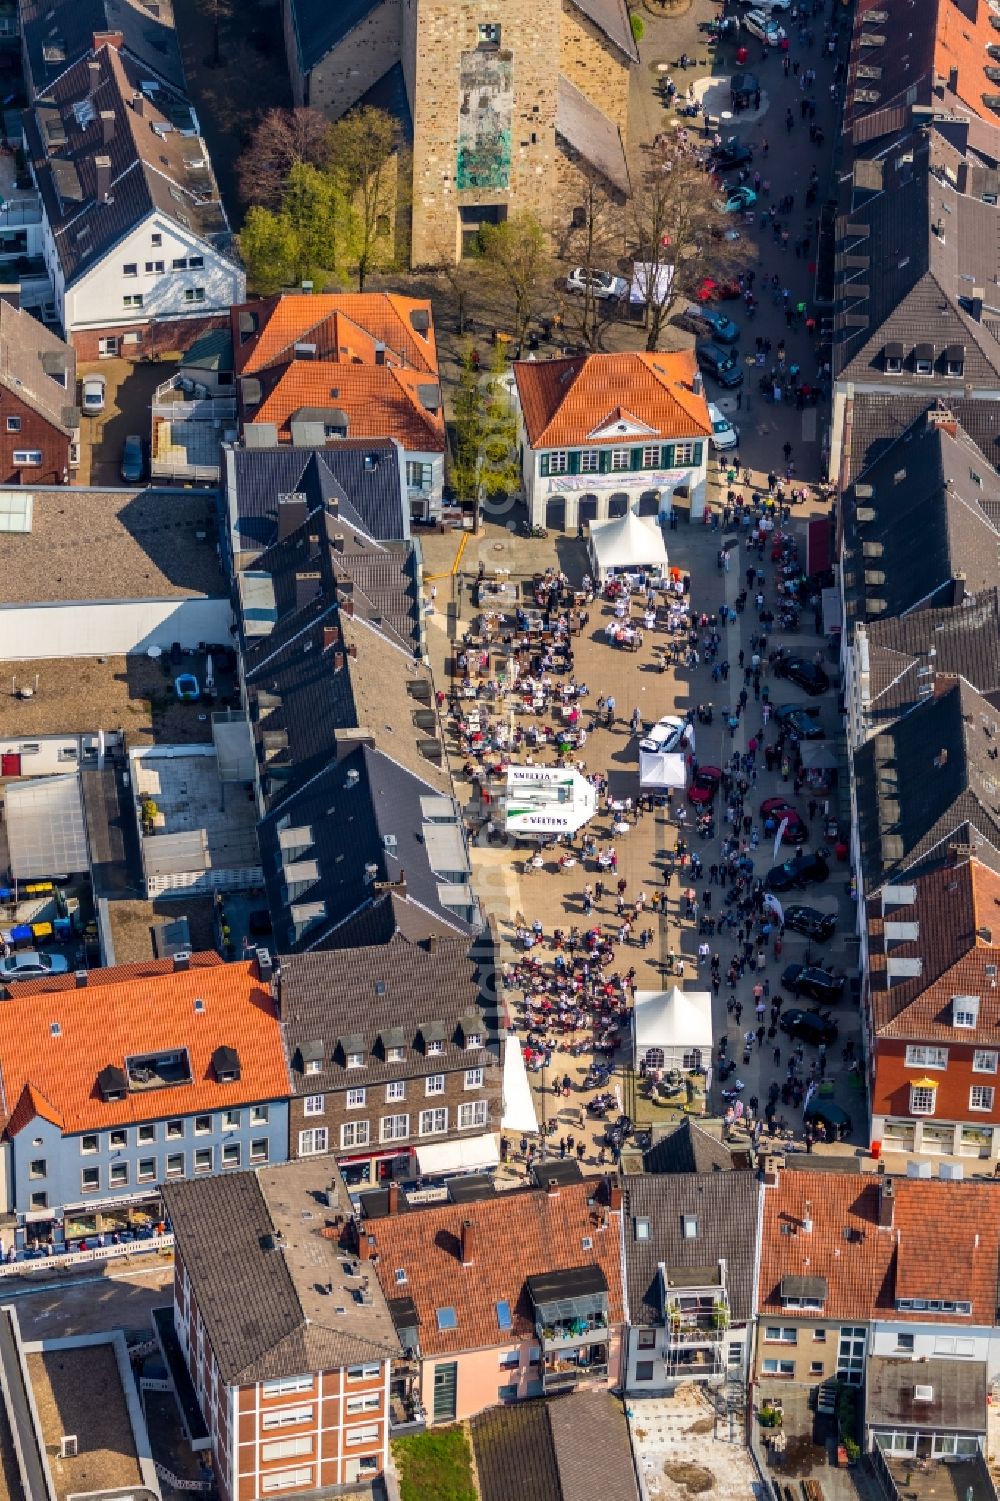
(596, 431)
(134, 235)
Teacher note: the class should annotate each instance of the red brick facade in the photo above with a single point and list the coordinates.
(893, 1077)
(35, 434)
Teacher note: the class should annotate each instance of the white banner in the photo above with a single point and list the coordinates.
(771, 901)
(779, 836)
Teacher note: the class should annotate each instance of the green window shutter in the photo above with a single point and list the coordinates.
(667, 456)
(544, 464)
(697, 453)
(605, 461)
(635, 458)
(574, 462)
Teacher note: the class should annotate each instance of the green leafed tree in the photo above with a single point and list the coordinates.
(267, 244)
(484, 451)
(367, 159)
(517, 258)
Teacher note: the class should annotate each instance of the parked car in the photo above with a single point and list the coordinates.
(95, 393)
(807, 675)
(704, 784)
(724, 433)
(815, 984)
(133, 465)
(810, 1026)
(731, 154)
(604, 285)
(719, 363)
(29, 964)
(832, 1117)
(764, 28)
(815, 925)
(800, 870)
(666, 735)
(722, 329)
(778, 809)
(737, 201)
(802, 719)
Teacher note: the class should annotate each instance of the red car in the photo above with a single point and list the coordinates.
(778, 808)
(711, 290)
(704, 784)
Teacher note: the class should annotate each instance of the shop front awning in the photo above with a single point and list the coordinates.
(817, 755)
(475, 1154)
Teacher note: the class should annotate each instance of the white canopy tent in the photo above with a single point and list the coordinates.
(626, 544)
(658, 769)
(518, 1104)
(673, 1028)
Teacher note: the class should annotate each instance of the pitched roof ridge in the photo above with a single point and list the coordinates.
(32, 1102)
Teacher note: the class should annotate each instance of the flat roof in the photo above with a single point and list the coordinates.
(934, 1395)
(132, 924)
(79, 1391)
(208, 825)
(82, 544)
(79, 695)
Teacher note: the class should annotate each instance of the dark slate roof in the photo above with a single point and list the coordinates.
(725, 1206)
(589, 131)
(327, 996)
(925, 512)
(572, 1449)
(366, 479)
(320, 26)
(152, 160)
(263, 1317)
(688, 1149)
(958, 1401)
(878, 419)
(57, 33)
(39, 368)
(907, 653)
(898, 69)
(922, 245)
(350, 817)
(612, 18)
(928, 787)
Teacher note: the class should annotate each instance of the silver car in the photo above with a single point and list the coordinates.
(604, 285)
(95, 391)
(29, 964)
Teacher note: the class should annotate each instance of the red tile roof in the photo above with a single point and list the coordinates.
(564, 401)
(516, 1235)
(956, 912)
(944, 1242)
(962, 36)
(380, 401)
(122, 1016)
(345, 327)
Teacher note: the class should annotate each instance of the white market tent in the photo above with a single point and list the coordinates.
(662, 769)
(625, 544)
(672, 1028)
(518, 1102)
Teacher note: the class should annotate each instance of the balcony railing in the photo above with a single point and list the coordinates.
(704, 1332)
(577, 1332)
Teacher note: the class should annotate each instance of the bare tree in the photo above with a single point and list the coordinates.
(679, 236)
(517, 258)
(594, 242)
(283, 139)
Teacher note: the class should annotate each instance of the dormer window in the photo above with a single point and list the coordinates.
(312, 1066)
(355, 1060)
(892, 357)
(395, 1055)
(435, 1046)
(954, 361)
(226, 1065)
(474, 1039)
(112, 1083)
(964, 1011)
(923, 359)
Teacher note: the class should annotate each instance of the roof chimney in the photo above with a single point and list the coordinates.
(953, 80)
(615, 1197)
(886, 1193)
(81, 979)
(352, 650)
(115, 39)
(958, 582)
(468, 1243)
(93, 75)
(552, 1187)
(139, 102)
(697, 383)
(364, 1245)
(182, 960)
(107, 125)
(331, 636)
(393, 1205)
(102, 165)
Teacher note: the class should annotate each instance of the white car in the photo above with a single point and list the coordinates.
(603, 284)
(95, 389)
(724, 434)
(764, 27)
(666, 735)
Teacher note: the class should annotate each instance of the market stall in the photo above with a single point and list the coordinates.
(628, 544)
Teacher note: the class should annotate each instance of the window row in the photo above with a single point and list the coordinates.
(434, 1047)
(174, 1130)
(133, 300)
(984, 1060)
(353, 1134)
(157, 268)
(923, 1098)
(620, 460)
(147, 1169)
(357, 1099)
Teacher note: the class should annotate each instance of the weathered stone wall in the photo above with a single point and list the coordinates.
(363, 57)
(599, 70)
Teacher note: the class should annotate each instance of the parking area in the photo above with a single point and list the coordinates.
(129, 390)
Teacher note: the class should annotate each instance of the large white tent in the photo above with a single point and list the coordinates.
(626, 544)
(662, 769)
(671, 1028)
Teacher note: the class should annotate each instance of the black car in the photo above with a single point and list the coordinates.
(808, 676)
(818, 926)
(831, 1116)
(815, 984)
(798, 871)
(801, 719)
(810, 1026)
(719, 363)
(731, 154)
